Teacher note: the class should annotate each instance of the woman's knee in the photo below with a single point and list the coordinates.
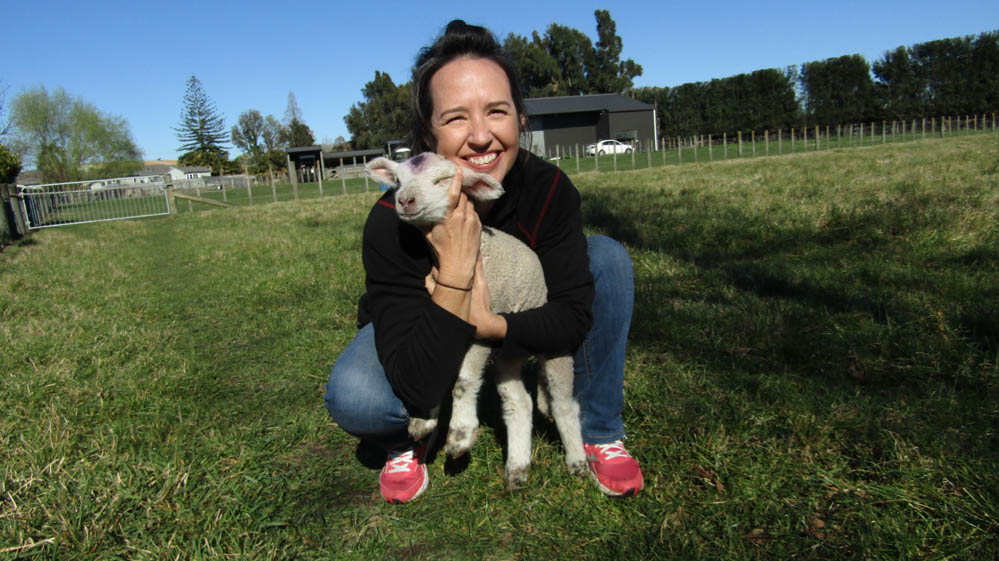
(609, 260)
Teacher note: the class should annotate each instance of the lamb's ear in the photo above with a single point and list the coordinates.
(382, 170)
(480, 186)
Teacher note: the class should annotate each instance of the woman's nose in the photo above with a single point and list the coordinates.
(480, 136)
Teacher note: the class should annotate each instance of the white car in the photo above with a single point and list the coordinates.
(608, 147)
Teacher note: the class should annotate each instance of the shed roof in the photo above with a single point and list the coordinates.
(583, 104)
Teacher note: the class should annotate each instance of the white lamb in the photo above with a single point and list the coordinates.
(516, 282)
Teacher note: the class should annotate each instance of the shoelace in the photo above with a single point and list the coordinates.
(401, 463)
(613, 450)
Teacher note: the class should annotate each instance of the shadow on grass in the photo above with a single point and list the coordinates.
(850, 302)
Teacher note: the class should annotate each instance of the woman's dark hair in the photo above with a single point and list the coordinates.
(458, 40)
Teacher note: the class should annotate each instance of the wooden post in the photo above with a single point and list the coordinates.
(780, 142)
(293, 174)
(710, 148)
(648, 153)
(725, 145)
(679, 153)
(792, 140)
(632, 156)
(343, 177)
(614, 157)
(766, 142)
(816, 138)
(804, 139)
(577, 158)
(249, 190)
(694, 142)
(322, 171)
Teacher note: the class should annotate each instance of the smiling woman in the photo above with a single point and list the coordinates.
(427, 299)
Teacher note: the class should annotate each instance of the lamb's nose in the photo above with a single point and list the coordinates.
(407, 203)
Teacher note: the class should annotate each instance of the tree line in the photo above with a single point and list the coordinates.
(944, 77)
(955, 76)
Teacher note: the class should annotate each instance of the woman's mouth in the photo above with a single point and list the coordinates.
(484, 160)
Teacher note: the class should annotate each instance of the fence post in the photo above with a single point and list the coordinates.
(766, 142)
(249, 191)
(725, 145)
(322, 170)
(711, 155)
(577, 158)
(780, 142)
(694, 142)
(792, 140)
(679, 154)
(740, 143)
(343, 176)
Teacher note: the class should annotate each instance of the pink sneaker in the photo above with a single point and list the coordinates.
(616, 472)
(404, 477)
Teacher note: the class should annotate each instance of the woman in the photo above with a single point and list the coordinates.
(426, 298)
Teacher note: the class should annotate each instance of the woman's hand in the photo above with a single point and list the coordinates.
(487, 324)
(455, 239)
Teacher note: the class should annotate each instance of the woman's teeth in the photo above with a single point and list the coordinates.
(482, 160)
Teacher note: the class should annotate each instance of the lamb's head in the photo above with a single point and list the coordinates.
(422, 184)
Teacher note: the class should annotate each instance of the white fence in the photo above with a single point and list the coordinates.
(62, 204)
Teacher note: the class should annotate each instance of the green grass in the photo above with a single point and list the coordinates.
(812, 373)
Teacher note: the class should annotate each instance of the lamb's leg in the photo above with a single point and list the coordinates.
(516, 403)
(419, 428)
(565, 410)
(464, 425)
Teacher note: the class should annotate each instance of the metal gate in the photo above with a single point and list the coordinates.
(80, 202)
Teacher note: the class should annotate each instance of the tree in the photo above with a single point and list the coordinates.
(10, 165)
(538, 70)
(574, 57)
(901, 88)
(610, 74)
(69, 139)
(839, 90)
(298, 134)
(201, 130)
(383, 116)
(5, 123)
(292, 111)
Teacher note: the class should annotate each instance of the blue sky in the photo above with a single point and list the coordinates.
(132, 59)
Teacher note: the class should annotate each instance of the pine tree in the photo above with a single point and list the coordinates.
(202, 129)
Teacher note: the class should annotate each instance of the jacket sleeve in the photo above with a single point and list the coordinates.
(556, 235)
(420, 345)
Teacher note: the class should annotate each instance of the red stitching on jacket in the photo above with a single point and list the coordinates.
(386, 203)
(544, 209)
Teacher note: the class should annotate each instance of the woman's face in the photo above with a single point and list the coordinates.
(474, 121)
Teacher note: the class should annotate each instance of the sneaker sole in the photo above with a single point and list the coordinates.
(610, 492)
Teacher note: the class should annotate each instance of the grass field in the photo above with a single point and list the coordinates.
(813, 373)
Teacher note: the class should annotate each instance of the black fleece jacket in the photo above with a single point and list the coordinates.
(421, 345)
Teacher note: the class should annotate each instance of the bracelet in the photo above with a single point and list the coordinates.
(452, 287)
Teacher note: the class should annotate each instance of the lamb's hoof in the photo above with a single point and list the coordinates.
(516, 477)
(578, 468)
(459, 442)
(419, 428)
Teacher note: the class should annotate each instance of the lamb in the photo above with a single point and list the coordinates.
(516, 282)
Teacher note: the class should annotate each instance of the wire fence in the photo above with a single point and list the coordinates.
(743, 144)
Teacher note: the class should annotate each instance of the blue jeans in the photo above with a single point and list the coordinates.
(360, 399)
